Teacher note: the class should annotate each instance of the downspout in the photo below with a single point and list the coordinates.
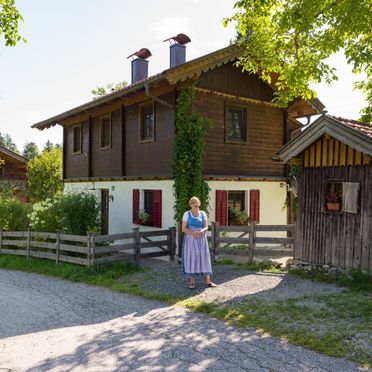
(157, 99)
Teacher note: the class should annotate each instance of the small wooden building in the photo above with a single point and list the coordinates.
(13, 171)
(334, 226)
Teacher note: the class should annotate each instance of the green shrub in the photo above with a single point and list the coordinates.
(46, 215)
(237, 217)
(73, 213)
(13, 214)
(79, 213)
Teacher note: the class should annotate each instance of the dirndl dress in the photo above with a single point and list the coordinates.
(196, 259)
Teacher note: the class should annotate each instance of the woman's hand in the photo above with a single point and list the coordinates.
(197, 234)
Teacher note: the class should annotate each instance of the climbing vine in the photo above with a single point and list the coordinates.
(188, 152)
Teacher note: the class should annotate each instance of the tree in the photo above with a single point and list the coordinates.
(288, 42)
(50, 146)
(30, 150)
(7, 142)
(9, 22)
(44, 174)
(109, 88)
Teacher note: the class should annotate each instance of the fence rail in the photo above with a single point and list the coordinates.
(91, 249)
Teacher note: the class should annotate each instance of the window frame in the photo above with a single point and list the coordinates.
(243, 110)
(101, 137)
(79, 151)
(141, 120)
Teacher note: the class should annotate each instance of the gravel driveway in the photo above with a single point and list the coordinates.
(48, 324)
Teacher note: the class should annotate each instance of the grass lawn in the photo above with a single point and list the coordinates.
(337, 324)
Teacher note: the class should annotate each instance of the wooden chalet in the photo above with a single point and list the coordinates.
(120, 146)
(13, 172)
(335, 193)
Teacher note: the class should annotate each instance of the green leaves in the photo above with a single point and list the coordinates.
(293, 39)
(9, 22)
(188, 152)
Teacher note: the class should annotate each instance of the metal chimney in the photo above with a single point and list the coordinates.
(177, 55)
(178, 49)
(140, 65)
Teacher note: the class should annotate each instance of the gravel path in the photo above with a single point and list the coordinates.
(234, 285)
(48, 324)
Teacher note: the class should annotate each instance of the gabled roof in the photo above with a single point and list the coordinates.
(355, 134)
(12, 155)
(189, 70)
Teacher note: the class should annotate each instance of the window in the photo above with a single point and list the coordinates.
(147, 207)
(237, 214)
(236, 200)
(77, 139)
(235, 124)
(342, 196)
(105, 131)
(147, 122)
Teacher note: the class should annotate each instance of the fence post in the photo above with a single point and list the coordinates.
(172, 242)
(179, 239)
(216, 237)
(1, 239)
(89, 242)
(213, 240)
(58, 241)
(136, 244)
(252, 241)
(92, 248)
(28, 242)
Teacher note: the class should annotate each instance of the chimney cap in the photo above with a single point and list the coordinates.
(181, 39)
(143, 53)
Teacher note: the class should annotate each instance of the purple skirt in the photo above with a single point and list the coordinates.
(196, 259)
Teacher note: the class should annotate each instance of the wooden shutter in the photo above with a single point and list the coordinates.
(350, 196)
(254, 205)
(221, 207)
(156, 208)
(135, 210)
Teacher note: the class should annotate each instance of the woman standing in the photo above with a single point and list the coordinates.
(196, 259)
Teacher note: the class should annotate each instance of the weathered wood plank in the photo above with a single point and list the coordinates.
(148, 234)
(113, 258)
(74, 238)
(74, 260)
(232, 240)
(262, 240)
(112, 248)
(112, 237)
(72, 248)
(16, 252)
(274, 227)
(15, 234)
(49, 256)
(14, 243)
(155, 254)
(154, 244)
(38, 244)
(43, 235)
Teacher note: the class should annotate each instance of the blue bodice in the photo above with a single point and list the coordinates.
(195, 223)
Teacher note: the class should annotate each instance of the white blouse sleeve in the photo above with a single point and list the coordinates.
(185, 217)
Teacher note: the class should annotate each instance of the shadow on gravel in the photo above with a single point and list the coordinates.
(175, 340)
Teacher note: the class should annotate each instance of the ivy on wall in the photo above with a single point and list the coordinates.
(188, 153)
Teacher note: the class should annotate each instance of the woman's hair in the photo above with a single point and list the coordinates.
(193, 200)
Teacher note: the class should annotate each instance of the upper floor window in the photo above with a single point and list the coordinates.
(235, 124)
(147, 122)
(105, 131)
(77, 139)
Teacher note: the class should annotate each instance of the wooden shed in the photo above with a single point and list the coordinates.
(334, 222)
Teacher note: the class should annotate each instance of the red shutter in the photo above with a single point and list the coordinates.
(254, 205)
(221, 207)
(156, 208)
(135, 210)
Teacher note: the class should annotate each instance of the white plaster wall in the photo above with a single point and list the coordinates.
(272, 199)
(120, 209)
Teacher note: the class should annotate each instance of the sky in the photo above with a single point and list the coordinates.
(74, 45)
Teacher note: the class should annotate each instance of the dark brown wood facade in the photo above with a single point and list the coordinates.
(335, 238)
(267, 129)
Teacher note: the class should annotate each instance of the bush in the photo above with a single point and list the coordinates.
(72, 213)
(79, 213)
(13, 214)
(45, 215)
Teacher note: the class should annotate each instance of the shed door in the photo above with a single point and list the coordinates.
(105, 211)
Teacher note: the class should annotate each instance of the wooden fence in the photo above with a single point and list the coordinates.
(248, 238)
(91, 249)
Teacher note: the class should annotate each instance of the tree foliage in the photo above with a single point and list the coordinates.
(293, 39)
(108, 88)
(44, 174)
(30, 150)
(9, 22)
(188, 153)
(7, 142)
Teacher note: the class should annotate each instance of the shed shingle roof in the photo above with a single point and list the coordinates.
(365, 128)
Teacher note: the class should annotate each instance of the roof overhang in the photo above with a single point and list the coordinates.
(326, 125)
(12, 155)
